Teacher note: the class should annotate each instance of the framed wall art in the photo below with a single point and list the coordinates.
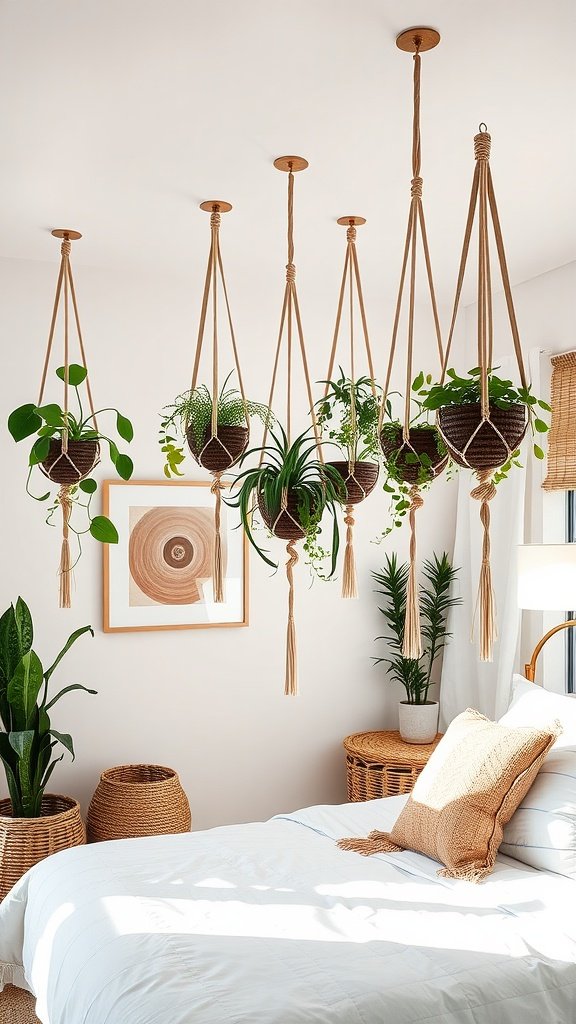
(159, 575)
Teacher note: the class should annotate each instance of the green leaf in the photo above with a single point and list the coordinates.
(76, 374)
(24, 687)
(124, 427)
(124, 466)
(65, 739)
(52, 414)
(24, 422)
(538, 452)
(40, 450)
(69, 643)
(88, 485)
(418, 382)
(21, 742)
(103, 530)
(68, 689)
(544, 405)
(540, 426)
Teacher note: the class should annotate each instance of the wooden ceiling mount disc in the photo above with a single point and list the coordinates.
(351, 221)
(66, 233)
(290, 163)
(418, 38)
(216, 206)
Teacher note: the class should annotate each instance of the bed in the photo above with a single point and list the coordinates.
(270, 923)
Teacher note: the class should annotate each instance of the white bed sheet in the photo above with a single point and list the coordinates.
(270, 923)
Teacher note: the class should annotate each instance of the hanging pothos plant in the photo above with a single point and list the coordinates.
(189, 417)
(292, 489)
(416, 462)
(66, 448)
(512, 410)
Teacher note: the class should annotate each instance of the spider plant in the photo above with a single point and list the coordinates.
(290, 471)
(348, 418)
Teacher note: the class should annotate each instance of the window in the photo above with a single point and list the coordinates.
(571, 633)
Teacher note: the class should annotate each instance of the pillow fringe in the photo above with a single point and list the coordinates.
(375, 842)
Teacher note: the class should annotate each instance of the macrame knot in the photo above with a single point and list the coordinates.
(215, 219)
(416, 190)
(351, 233)
(416, 499)
(290, 273)
(66, 247)
(486, 489)
(482, 143)
(217, 485)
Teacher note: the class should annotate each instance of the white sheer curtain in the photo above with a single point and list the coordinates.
(467, 682)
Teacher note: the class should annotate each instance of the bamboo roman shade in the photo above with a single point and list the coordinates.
(561, 474)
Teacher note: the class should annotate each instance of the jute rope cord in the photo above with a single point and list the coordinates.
(290, 318)
(482, 196)
(67, 461)
(412, 640)
(351, 278)
(215, 272)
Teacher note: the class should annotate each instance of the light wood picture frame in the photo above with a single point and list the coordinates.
(159, 575)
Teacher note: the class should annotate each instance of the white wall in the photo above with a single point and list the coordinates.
(208, 702)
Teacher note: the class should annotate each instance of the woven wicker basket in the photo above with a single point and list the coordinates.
(423, 442)
(360, 482)
(26, 841)
(487, 450)
(17, 1006)
(75, 465)
(283, 524)
(380, 764)
(223, 451)
(137, 800)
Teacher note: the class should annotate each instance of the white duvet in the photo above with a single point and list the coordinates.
(271, 924)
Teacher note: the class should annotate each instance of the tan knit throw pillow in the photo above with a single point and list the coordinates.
(474, 781)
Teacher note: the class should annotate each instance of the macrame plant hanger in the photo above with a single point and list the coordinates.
(222, 446)
(75, 460)
(359, 478)
(290, 314)
(489, 441)
(415, 40)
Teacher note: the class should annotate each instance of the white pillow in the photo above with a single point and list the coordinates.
(542, 832)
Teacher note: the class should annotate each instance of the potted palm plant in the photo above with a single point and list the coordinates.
(292, 490)
(33, 823)
(418, 716)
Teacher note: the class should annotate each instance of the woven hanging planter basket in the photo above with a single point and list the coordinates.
(26, 841)
(360, 480)
(487, 449)
(422, 442)
(221, 452)
(134, 800)
(68, 468)
(283, 524)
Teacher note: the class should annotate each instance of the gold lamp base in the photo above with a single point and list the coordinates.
(530, 667)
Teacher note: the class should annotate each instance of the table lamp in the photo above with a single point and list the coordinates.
(546, 582)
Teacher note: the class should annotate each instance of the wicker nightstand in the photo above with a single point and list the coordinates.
(381, 764)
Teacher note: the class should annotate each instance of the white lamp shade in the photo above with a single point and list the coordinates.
(547, 577)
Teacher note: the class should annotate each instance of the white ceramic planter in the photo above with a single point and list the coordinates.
(418, 723)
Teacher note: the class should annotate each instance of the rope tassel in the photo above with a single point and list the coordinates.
(217, 565)
(412, 642)
(65, 570)
(486, 603)
(291, 682)
(349, 579)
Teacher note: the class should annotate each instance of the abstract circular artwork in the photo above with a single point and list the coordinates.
(170, 553)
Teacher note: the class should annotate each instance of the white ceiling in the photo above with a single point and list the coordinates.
(119, 116)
